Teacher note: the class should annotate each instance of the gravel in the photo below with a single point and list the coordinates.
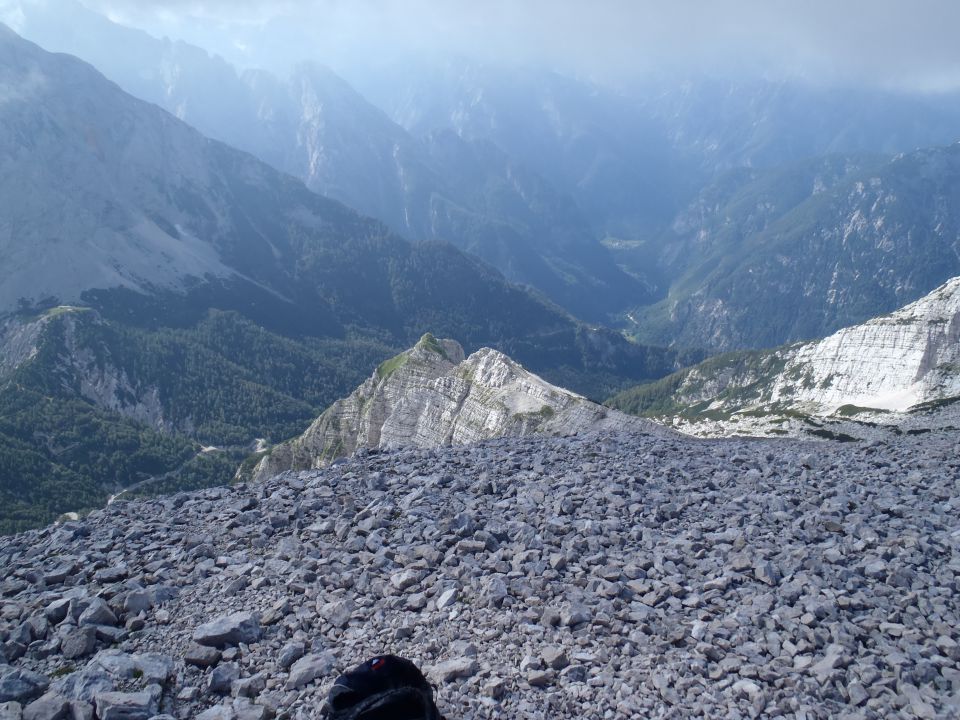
(595, 576)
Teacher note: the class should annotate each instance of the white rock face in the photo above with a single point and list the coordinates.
(884, 372)
(108, 386)
(889, 363)
(431, 396)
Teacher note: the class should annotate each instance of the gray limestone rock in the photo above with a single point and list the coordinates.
(201, 655)
(56, 611)
(238, 627)
(111, 574)
(20, 685)
(98, 613)
(137, 601)
(79, 642)
(540, 678)
(217, 712)
(663, 604)
(249, 687)
(555, 657)
(290, 653)
(447, 598)
(767, 572)
(309, 668)
(126, 706)
(463, 667)
(48, 707)
(222, 677)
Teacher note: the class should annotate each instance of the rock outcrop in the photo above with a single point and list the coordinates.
(883, 368)
(431, 396)
(894, 362)
(83, 362)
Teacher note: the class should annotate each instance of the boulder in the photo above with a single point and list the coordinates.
(233, 629)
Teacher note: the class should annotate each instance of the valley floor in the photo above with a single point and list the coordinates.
(613, 576)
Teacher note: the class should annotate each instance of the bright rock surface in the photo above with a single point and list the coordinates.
(888, 363)
(431, 396)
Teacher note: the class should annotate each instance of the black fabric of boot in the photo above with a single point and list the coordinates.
(386, 687)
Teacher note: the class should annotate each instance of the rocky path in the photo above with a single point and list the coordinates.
(587, 577)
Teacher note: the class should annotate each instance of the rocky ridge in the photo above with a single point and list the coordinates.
(430, 396)
(81, 363)
(896, 362)
(601, 576)
(873, 372)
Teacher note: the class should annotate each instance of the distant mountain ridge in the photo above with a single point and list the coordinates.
(529, 169)
(111, 201)
(316, 127)
(431, 396)
(767, 257)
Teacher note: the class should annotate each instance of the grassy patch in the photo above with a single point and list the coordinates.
(429, 342)
(851, 410)
(830, 435)
(389, 367)
(332, 451)
(539, 416)
(934, 404)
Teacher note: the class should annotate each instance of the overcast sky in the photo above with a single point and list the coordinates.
(888, 42)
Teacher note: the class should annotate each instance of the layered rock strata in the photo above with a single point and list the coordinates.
(893, 362)
(431, 396)
(872, 373)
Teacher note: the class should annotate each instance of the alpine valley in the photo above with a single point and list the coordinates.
(301, 364)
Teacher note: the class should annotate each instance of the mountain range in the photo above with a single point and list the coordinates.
(164, 293)
(315, 126)
(531, 170)
(764, 257)
(294, 364)
(171, 303)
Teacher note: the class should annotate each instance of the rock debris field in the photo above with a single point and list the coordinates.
(614, 576)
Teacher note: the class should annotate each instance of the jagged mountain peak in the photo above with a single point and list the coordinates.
(432, 396)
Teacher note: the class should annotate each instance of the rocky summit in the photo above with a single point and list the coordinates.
(615, 575)
(431, 395)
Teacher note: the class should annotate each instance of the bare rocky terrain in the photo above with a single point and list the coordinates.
(432, 395)
(591, 576)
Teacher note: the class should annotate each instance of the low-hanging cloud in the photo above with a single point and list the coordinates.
(887, 42)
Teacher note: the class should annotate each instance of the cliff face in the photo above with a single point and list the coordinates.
(894, 362)
(763, 258)
(881, 369)
(81, 361)
(432, 396)
(19, 342)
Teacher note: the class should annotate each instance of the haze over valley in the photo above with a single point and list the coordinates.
(603, 359)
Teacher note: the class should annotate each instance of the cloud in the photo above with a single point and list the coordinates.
(891, 42)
